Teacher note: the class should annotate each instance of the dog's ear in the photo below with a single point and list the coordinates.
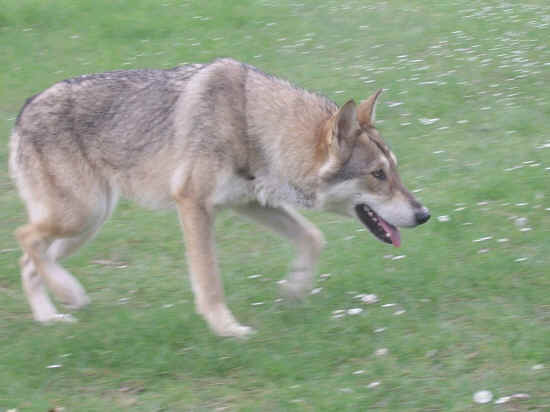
(366, 112)
(344, 125)
(341, 132)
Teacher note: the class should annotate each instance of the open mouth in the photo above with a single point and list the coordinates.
(383, 230)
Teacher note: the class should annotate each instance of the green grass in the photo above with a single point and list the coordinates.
(475, 317)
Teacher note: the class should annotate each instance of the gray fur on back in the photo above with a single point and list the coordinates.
(115, 117)
(128, 127)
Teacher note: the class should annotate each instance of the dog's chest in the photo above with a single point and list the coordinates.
(266, 190)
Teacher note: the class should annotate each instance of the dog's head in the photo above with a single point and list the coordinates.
(359, 174)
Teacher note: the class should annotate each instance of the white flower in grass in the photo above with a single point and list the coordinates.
(369, 299)
(381, 352)
(520, 221)
(483, 397)
(354, 311)
(482, 239)
(425, 121)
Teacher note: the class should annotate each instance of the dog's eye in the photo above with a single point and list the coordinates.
(379, 174)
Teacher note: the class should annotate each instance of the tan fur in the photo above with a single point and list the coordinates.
(367, 109)
(196, 138)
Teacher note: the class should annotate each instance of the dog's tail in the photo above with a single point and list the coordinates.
(15, 141)
(14, 156)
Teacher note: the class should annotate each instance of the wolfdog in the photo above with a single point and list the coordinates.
(198, 138)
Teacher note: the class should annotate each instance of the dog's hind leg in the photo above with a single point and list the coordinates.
(57, 232)
(35, 290)
(198, 230)
(307, 240)
(64, 247)
(61, 283)
(64, 286)
(39, 269)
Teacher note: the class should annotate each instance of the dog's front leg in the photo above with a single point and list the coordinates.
(198, 228)
(307, 240)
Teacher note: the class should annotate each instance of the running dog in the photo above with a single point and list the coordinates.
(197, 138)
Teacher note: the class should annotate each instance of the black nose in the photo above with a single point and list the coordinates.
(422, 216)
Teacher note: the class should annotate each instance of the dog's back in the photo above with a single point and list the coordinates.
(133, 129)
(105, 116)
(97, 128)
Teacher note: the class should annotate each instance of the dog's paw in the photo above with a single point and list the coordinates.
(297, 285)
(70, 293)
(223, 323)
(78, 302)
(238, 331)
(57, 318)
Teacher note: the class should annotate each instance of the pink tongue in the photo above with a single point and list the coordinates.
(395, 236)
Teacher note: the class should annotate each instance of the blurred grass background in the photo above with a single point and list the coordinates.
(466, 110)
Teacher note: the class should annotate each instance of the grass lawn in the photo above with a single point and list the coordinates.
(464, 305)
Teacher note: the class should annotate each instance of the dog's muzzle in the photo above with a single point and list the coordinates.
(422, 216)
(380, 228)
